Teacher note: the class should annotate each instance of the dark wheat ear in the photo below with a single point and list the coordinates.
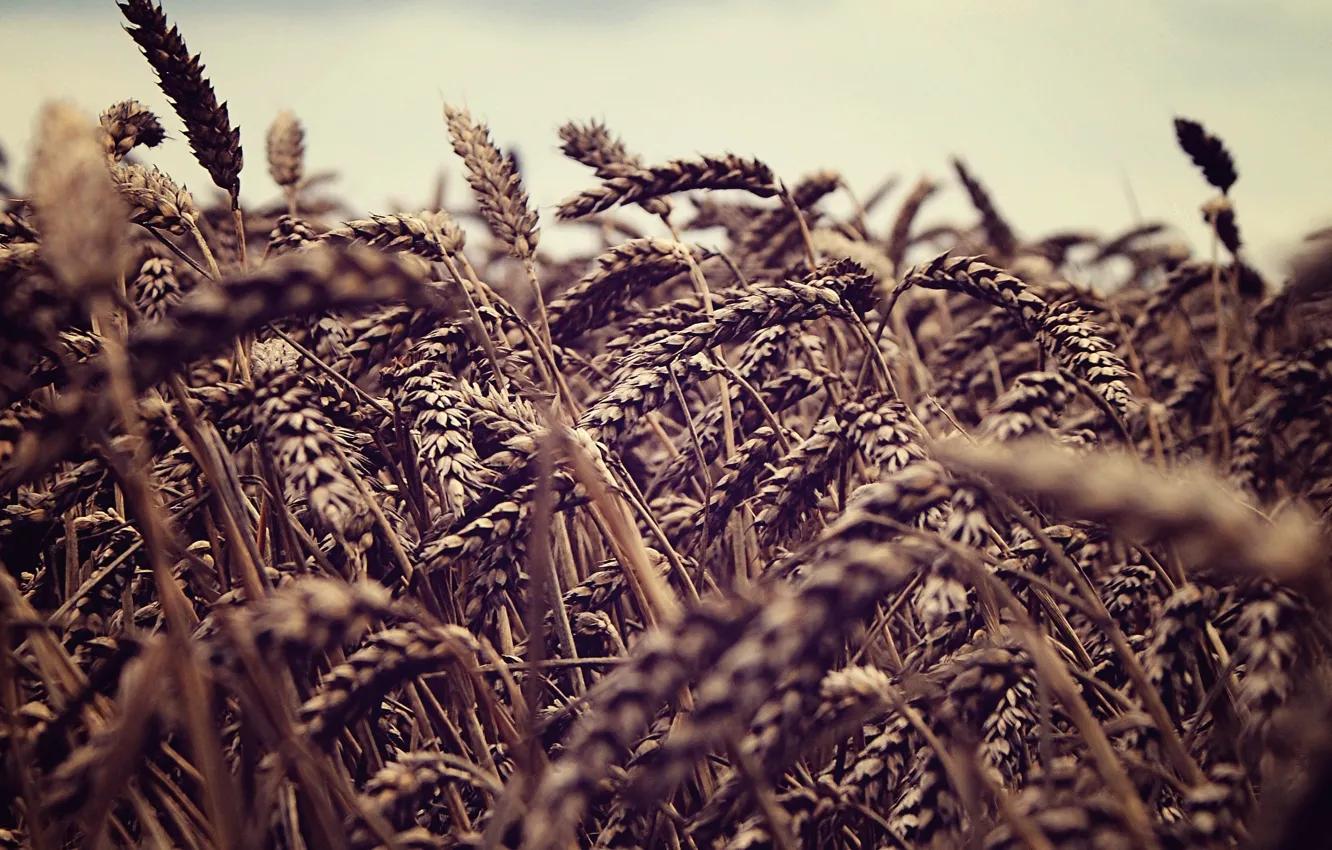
(1220, 214)
(208, 127)
(1207, 152)
(597, 147)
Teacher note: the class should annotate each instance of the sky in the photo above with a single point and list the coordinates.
(1062, 108)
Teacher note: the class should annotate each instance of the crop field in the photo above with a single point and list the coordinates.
(756, 527)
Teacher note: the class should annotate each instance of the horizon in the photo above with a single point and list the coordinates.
(1066, 133)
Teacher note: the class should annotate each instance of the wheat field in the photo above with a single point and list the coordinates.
(758, 528)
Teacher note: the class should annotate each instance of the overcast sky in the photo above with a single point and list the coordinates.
(1058, 106)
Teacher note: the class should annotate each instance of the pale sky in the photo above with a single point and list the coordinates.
(1056, 105)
